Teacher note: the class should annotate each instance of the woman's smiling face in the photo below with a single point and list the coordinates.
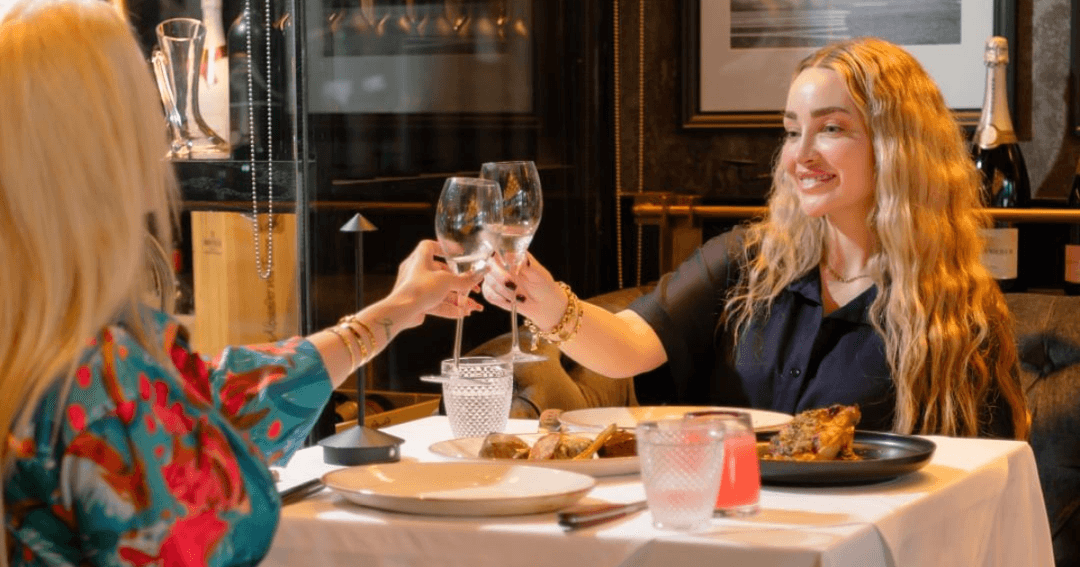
(827, 149)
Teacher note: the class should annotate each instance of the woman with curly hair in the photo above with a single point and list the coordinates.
(862, 284)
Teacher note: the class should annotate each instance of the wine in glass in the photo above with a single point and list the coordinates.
(522, 205)
(467, 208)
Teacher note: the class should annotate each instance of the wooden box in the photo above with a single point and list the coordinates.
(404, 407)
(233, 305)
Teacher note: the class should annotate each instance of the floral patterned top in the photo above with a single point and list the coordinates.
(157, 466)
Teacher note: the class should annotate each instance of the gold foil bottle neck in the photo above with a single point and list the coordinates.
(997, 51)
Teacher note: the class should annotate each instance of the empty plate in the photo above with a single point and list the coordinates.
(628, 417)
(460, 489)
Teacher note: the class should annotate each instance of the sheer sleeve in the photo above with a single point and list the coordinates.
(686, 306)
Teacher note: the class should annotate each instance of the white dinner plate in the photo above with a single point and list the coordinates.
(459, 489)
(468, 448)
(628, 417)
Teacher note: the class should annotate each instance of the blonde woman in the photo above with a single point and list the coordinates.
(123, 446)
(862, 284)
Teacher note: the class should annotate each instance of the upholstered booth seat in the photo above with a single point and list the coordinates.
(1048, 331)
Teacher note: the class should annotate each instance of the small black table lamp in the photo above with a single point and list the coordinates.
(360, 445)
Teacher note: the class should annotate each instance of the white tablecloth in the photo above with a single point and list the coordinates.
(978, 502)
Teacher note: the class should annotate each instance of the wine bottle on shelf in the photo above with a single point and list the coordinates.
(1072, 245)
(1005, 180)
(214, 71)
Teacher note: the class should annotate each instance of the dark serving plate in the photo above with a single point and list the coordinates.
(884, 456)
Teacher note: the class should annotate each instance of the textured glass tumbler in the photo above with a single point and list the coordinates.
(477, 396)
(681, 461)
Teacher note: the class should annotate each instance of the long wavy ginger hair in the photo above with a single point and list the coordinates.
(944, 321)
(83, 181)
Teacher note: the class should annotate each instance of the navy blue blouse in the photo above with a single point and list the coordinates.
(792, 360)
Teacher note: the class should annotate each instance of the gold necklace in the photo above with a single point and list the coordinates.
(841, 279)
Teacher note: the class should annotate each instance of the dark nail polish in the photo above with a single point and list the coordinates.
(511, 285)
(521, 298)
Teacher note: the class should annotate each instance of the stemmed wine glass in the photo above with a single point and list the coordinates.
(468, 207)
(522, 205)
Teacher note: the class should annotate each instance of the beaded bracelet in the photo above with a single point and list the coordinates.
(348, 347)
(562, 331)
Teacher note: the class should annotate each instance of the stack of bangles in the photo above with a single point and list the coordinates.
(352, 331)
(567, 327)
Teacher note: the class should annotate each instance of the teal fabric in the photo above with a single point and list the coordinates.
(157, 465)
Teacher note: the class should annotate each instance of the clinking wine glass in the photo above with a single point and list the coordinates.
(468, 207)
(522, 206)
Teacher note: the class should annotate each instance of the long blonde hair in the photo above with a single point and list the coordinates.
(83, 181)
(944, 321)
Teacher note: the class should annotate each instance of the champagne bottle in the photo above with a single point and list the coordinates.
(1005, 180)
(214, 72)
(1072, 245)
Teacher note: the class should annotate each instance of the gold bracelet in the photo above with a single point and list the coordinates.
(359, 340)
(559, 333)
(577, 323)
(352, 357)
(371, 336)
(351, 320)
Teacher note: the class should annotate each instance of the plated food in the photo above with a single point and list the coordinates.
(584, 452)
(821, 447)
(884, 456)
(822, 434)
(610, 442)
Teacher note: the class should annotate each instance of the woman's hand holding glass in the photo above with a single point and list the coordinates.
(534, 290)
(432, 287)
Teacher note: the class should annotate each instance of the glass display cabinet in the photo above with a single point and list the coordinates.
(343, 118)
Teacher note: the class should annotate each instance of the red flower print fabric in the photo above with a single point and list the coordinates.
(158, 464)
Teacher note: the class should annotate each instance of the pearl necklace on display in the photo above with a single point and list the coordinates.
(269, 147)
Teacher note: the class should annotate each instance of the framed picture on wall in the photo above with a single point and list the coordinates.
(738, 55)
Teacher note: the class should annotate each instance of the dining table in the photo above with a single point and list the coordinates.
(977, 502)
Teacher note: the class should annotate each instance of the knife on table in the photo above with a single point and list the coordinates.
(588, 515)
(301, 491)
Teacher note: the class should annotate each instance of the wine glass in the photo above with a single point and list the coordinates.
(522, 205)
(467, 208)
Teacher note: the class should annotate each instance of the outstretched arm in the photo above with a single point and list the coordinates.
(424, 287)
(617, 345)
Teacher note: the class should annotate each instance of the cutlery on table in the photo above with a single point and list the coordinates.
(587, 515)
(301, 491)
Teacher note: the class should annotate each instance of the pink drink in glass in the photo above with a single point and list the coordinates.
(740, 482)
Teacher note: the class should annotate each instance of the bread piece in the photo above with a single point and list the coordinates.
(570, 446)
(622, 443)
(545, 447)
(503, 446)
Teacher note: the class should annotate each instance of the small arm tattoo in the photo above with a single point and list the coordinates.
(386, 324)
